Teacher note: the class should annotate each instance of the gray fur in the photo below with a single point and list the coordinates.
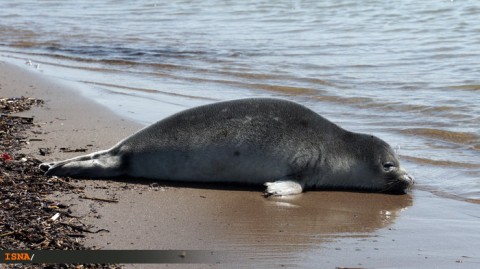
(251, 141)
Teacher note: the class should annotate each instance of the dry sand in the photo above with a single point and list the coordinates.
(312, 230)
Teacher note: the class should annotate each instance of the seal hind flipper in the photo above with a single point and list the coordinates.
(95, 165)
(283, 188)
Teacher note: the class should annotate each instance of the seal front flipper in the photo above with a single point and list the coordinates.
(283, 188)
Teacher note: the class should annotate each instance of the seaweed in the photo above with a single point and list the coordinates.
(28, 219)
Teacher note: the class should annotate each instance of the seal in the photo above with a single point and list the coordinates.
(278, 143)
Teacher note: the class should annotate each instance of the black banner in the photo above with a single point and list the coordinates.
(111, 256)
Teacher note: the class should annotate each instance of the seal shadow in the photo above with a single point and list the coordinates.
(232, 186)
(301, 220)
(250, 225)
(189, 184)
(290, 225)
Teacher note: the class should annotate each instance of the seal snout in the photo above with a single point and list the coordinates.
(406, 178)
(401, 184)
(410, 180)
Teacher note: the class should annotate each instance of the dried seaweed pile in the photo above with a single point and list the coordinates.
(14, 105)
(27, 219)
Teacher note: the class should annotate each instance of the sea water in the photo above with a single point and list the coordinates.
(406, 71)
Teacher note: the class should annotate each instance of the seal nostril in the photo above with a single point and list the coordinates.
(409, 179)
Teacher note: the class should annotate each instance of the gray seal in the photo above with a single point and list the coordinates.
(278, 143)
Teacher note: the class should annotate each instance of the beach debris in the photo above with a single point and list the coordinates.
(24, 210)
(66, 149)
(183, 254)
(6, 157)
(14, 105)
(98, 199)
(55, 217)
(44, 151)
(28, 219)
(23, 120)
(156, 187)
(83, 229)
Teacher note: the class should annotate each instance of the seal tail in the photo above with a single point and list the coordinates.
(98, 164)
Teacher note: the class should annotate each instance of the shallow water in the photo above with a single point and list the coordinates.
(405, 71)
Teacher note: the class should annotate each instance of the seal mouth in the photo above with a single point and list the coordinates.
(399, 185)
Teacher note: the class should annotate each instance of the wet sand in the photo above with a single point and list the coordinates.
(315, 229)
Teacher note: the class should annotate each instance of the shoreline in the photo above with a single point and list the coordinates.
(329, 229)
(67, 119)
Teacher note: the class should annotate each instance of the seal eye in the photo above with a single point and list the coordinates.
(388, 166)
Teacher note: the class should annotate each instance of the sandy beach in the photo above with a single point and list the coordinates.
(311, 230)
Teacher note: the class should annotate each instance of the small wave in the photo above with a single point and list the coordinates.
(473, 201)
(472, 87)
(120, 52)
(62, 64)
(436, 109)
(448, 195)
(319, 82)
(285, 89)
(148, 90)
(110, 91)
(344, 100)
(443, 163)
(19, 33)
(449, 136)
(450, 112)
(256, 76)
